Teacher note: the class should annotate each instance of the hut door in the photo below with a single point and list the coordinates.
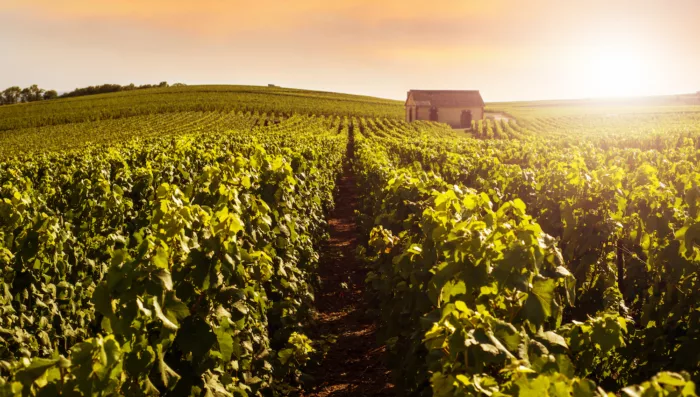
(410, 114)
(433, 114)
(466, 119)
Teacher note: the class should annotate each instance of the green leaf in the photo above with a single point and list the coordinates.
(241, 309)
(225, 344)
(519, 204)
(507, 334)
(670, 378)
(415, 249)
(538, 306)
(453, 288)
(285, 354)
(160, 259)
(222, 214)
(102, 300)
(175, 310)
(236, 223)
(489, 348)
(167, 375)
(584, 388)
(463, 379)
(533, 387)
(462, 307)
(553, 339)
(36, 369)
(167, 323)
(165, 278)
(214, 387)
(162, 191)
(139, 360)
(113, 352)
(195, 336)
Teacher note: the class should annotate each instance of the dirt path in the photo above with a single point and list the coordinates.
(354, 366)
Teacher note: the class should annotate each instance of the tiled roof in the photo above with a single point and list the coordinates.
(446, 98)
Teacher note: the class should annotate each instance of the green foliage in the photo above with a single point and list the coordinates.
(532, 266)
(164, 242)
(207, 98)
(179, 265)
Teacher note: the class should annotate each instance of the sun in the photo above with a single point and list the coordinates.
(611, 70)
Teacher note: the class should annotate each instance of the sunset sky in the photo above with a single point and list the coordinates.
(510, 50)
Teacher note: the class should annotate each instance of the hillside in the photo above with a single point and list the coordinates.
(686, 103)
(202, 98)
(97, 119)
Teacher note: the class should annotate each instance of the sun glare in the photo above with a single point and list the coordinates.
(616, 71)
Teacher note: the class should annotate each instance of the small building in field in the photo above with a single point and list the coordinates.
(456, 108)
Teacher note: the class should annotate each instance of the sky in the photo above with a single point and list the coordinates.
(507, 49)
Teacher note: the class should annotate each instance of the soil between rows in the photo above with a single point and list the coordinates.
(354, 365)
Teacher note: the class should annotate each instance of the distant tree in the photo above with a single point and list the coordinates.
(32, 93)
(92, 90)
(35, 93)
(11, 95)
(179, 85)
(25, 95)
(106, 88)
(50, 94)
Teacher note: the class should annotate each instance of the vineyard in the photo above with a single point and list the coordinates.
(171, 242)
(194, 99)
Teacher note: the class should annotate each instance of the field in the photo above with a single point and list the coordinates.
(182, 241)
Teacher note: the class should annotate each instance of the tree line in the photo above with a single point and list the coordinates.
(105, 88)
(33, 93)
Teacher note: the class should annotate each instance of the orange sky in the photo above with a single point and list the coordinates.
(508, 49)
